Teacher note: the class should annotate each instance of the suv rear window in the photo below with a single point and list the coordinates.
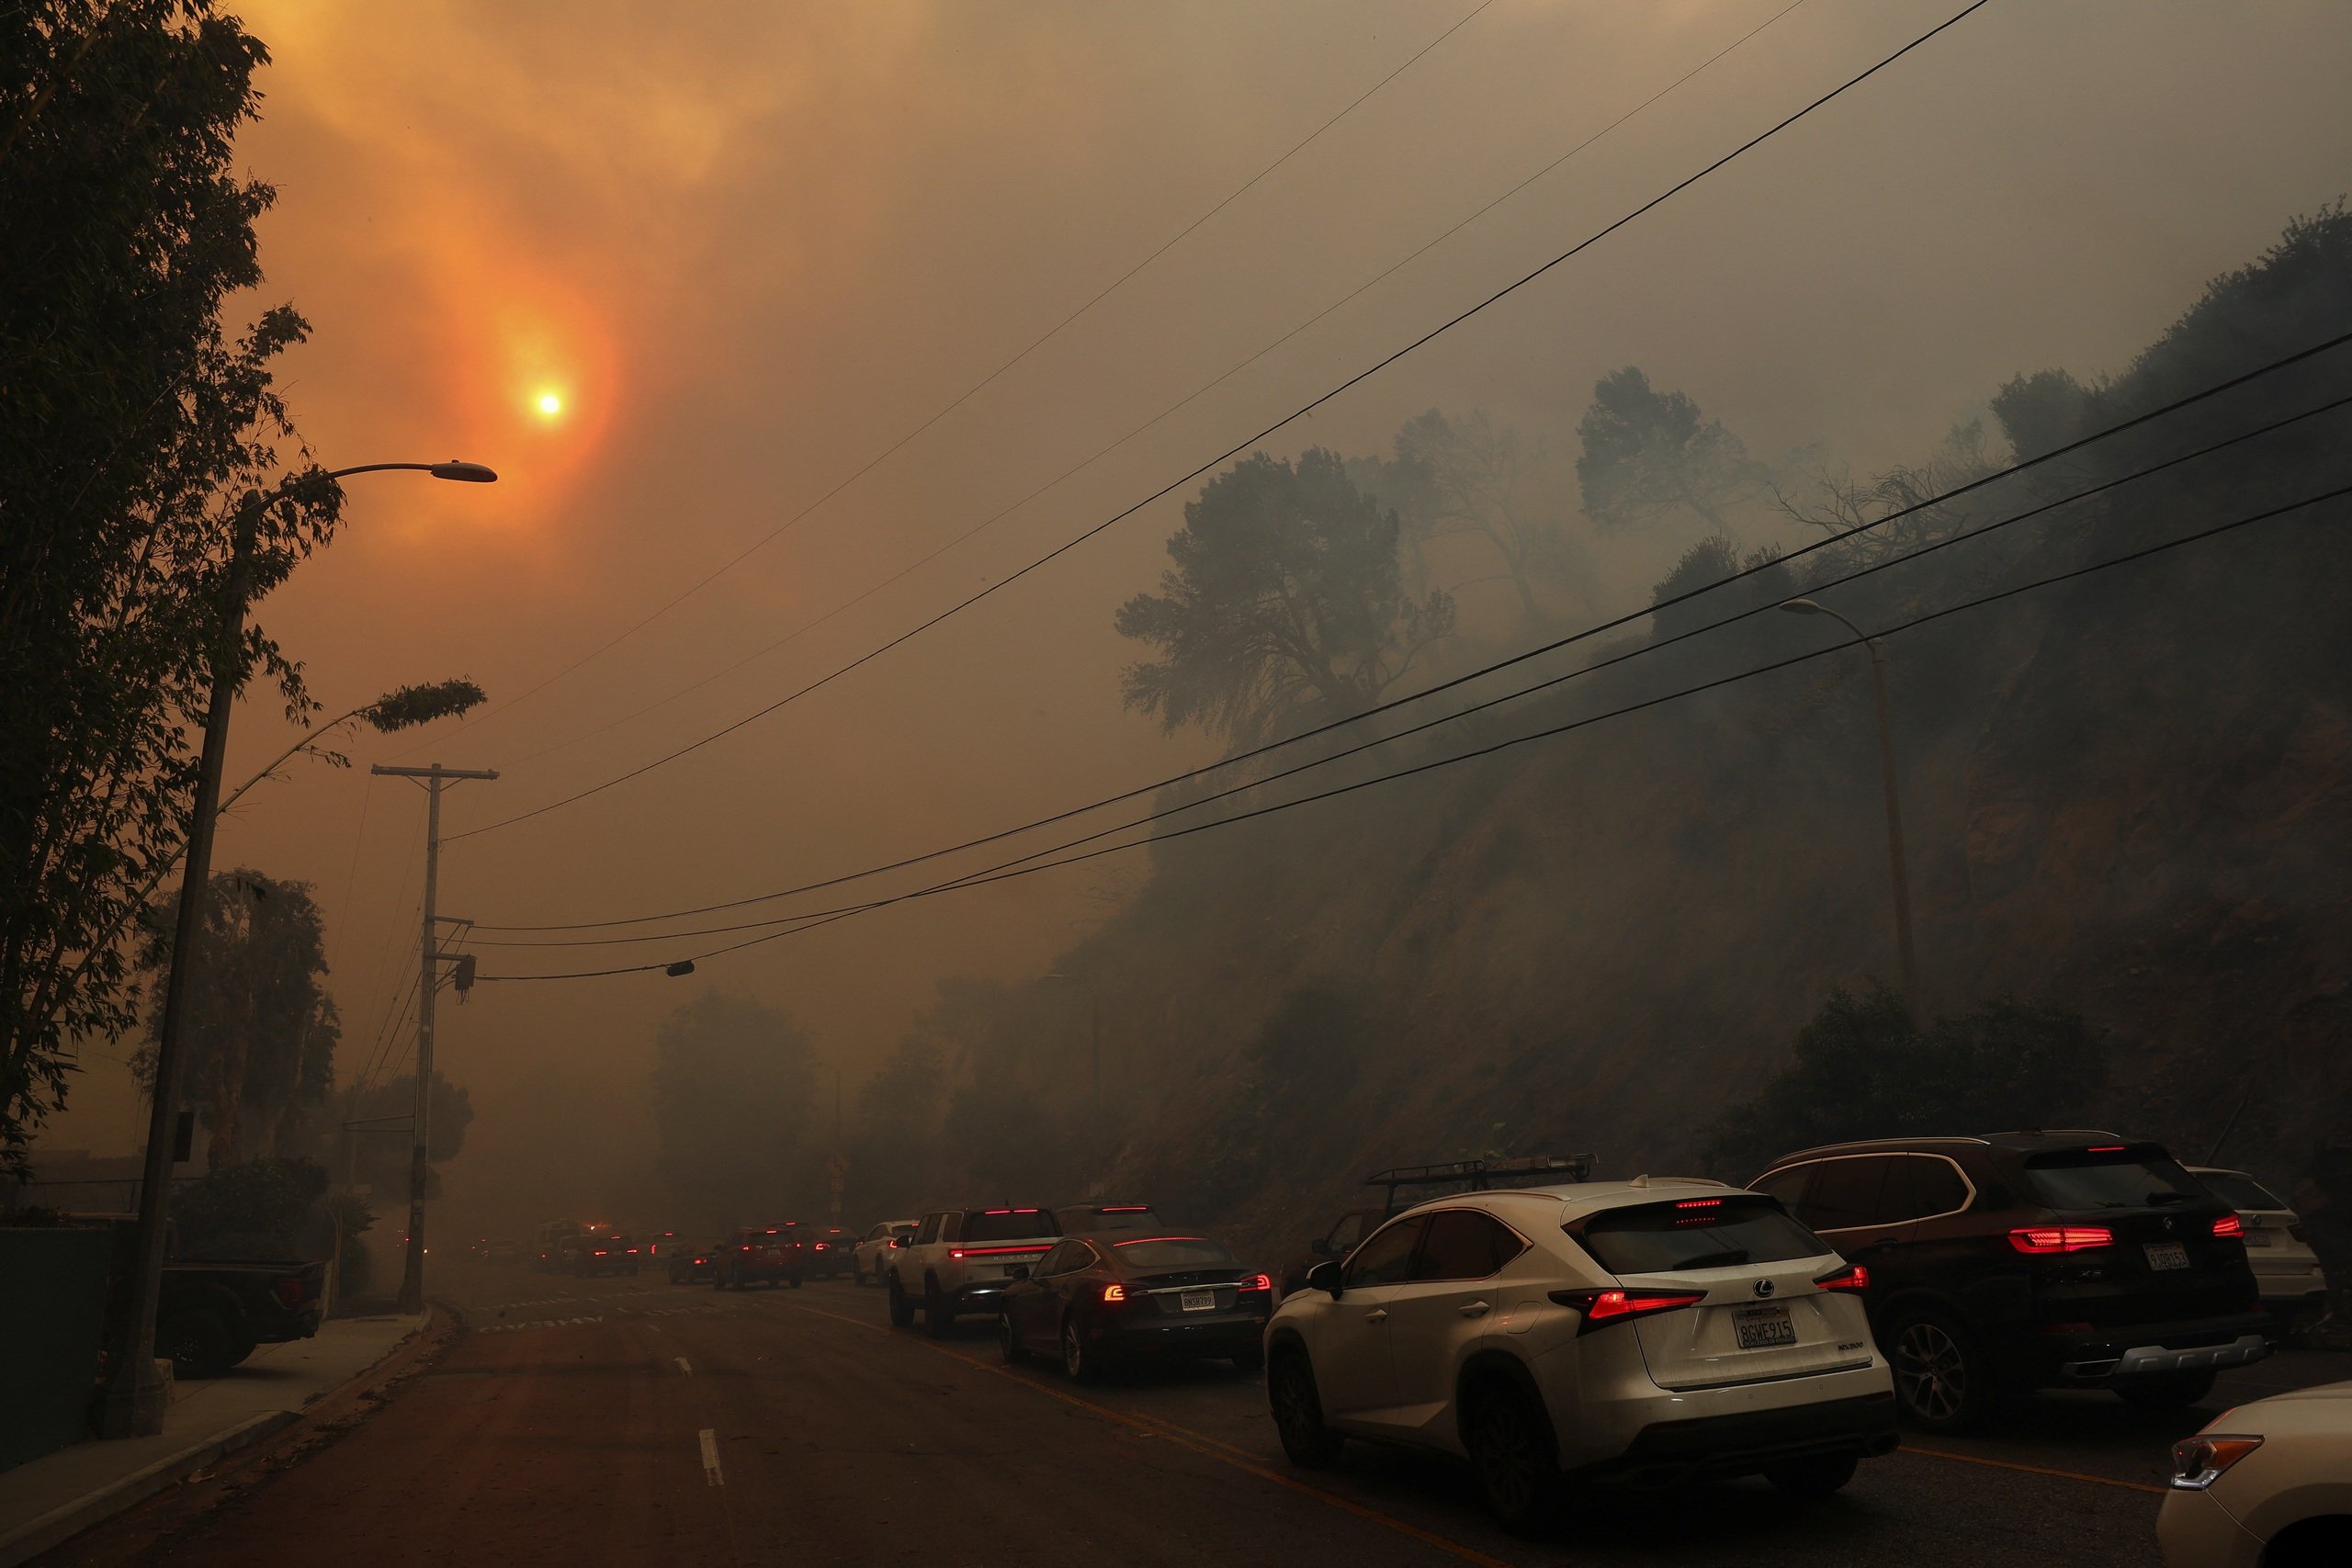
(1696, 1233)
(2240, 1192)
(1008, 1224)
(1175, 1252)
(2081, 1178)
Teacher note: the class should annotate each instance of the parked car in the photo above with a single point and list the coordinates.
(1333, 1246)
(828, 1251)
(759, 1255)
(1108, 1297)
(1652, 1330)
(2286, 1269)
(2022, 1260)
(693, 1264)
(869, 1259)
(960, 1261)
(1082, 1219)
(601, 1253)
(211, 1315)
(2266, 1486)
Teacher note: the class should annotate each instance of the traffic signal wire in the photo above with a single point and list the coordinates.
(1654, 646)
(968, 393)
(1598, 629)
(1751, 672)
(1237, 448)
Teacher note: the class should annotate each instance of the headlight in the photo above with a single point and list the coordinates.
(2200, 1460)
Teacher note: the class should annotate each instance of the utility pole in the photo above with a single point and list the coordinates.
(428, 981)
(1898, 868)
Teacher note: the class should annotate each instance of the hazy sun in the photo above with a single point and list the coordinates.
(550, 405)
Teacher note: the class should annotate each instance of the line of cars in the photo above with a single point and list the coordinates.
(1663, 1329)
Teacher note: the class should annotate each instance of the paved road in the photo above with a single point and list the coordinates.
(584, 1421)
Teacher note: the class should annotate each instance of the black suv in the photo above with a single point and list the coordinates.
(2034, 1259)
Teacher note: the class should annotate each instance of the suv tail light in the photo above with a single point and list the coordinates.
(1853, 1277)
(1255, 1283)
(2039, 1241)
(289, 1290)
(1601, 1308)
(2295, 1229)
(2229, 1225)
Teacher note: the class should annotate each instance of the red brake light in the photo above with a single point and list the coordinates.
(2295, 1229)
(1601, 1308)
(289, 1290)
(1125, 1209)
(1114, 1293)
(1256, 1282)
(1700, 1204)
(1038, 1248)
(1854, 1277)
(2229, 1225)
(2042, 1240)
(2105, 1149)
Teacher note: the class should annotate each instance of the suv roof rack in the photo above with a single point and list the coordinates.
(1477, 1174)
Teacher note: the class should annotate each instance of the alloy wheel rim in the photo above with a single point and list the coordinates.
(1503, 1449)
(1073, 1350)
(1291, 1407)
(1931, 1370)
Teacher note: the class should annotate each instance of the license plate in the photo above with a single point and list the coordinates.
(2256, 1238)
(2166, 1255)
(1198, 1301)
(1761, 1328)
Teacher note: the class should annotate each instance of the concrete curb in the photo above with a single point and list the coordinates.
(70, 1519)
(100, 1503)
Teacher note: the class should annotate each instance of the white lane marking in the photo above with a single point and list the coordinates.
(683, 1368)
(710, 1458)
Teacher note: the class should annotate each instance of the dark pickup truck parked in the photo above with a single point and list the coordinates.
(212, 1313)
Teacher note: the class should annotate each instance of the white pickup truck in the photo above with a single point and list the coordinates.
(960, 1261)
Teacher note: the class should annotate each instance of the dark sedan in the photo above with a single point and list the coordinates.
(1110, 1297)
(691, 1265)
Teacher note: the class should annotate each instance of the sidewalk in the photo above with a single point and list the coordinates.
(57, 1497)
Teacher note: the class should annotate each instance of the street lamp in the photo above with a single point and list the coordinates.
(134, 1400)
(1896, 867)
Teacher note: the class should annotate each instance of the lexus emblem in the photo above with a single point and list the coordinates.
(1763, 1288)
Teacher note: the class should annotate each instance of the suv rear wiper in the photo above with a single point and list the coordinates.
(1723, 1259)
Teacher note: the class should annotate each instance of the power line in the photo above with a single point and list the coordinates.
(1297, 413)
(1246, 785)
(1483, 751)
(1601, 629)
(1183, 402)
(990, 378)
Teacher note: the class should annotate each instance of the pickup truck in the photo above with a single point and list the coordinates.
(211, 1313)
(960, 1261)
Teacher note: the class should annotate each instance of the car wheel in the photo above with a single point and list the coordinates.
(902, 1309)
(856, 1275)
(1515, 1455)
(198, 1343)
(1008, 1341)
(1816, 1477)
(1077, 1361)
(795, 1282)
(1298, 1412)
(1250, 1363)
(2167, 1390)
(938, 1317)
(1944, 1379)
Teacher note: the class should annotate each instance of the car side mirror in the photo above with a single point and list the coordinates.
(1321, 1246)
(1325, 1277)
(1021, 1271)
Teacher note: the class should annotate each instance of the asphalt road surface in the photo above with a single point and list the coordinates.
(597, 1421)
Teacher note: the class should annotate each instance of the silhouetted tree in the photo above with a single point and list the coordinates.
(132, 431)
(1285, 599)
(1648, 454)
(731, 1086)
(1864, 1070)
(1463, 478)
(261, 1029)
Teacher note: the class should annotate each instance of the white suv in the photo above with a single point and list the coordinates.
(1650, 1330)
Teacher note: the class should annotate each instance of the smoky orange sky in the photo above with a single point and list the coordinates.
(749, 245)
